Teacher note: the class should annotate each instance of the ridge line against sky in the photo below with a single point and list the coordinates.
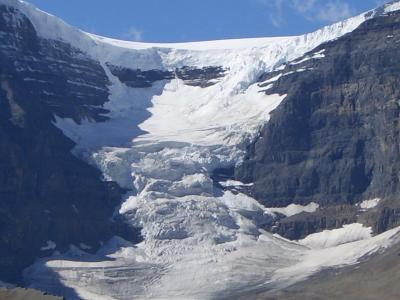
(197, 20)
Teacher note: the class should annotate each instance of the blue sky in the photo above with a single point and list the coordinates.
(192, 20)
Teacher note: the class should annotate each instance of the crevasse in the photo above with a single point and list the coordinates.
(200, 241)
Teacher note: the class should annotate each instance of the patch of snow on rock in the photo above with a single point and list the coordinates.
(163, 143)
(84, 246)
(330, 238)
(49, 246)
(393, 6)
(318, 55)
(295, 209)
(233, 183)
(368, 204)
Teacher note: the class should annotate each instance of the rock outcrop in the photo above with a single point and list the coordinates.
(47, 195)
(335, 138)
(202, 77)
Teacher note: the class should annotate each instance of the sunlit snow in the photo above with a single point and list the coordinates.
(163, 143)
(294, 209)
(368, 204)
(330, 238)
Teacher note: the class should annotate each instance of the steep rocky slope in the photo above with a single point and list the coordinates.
(335, 138)
(95, 130)
(47, 195)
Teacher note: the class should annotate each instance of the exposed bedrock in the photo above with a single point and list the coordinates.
(334, 140)
(192, 76)
(47, 195)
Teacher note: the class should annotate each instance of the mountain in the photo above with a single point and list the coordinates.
(47, 195)
(333, 140)
(208, 170)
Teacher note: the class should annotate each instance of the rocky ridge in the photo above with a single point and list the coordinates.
(334, 139)
(47, 194)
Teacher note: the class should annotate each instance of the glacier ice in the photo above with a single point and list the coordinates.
(163, 143)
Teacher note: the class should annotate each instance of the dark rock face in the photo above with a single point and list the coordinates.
(138, 78)
(385, 216)
(45, 192)
(329, 217)
(335, 138)
(203, 77)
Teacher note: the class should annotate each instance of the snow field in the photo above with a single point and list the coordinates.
(163, 143)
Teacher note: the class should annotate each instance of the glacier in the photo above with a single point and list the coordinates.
(163, 144)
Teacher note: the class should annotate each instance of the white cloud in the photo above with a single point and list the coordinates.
(303, 6)
(335, 11)
(322, 10)
(134, 34)
(276, 11)
(327, 11)
(313, 10)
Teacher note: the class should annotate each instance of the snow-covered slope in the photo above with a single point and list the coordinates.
(200, 241)
(275, 50)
